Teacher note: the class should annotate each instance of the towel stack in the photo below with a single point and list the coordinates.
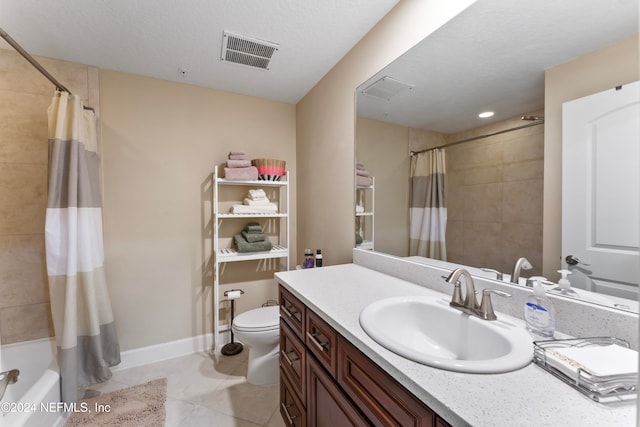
(238, 167)
(252, 239)
(362, 176)
(256, 202)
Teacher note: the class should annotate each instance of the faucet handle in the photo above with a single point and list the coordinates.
(486, 307)
(491, 270)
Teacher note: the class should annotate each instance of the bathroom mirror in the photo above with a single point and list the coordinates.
(492, 56)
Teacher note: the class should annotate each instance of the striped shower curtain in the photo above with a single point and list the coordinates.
(427, 209)
(80, 306)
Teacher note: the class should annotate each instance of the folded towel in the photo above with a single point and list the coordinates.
(362, 172)
(360, 166)
(358, 239)
(253, 237)
(598, 361)
(257, 194)
(363, 181)
(259, 202)
(238, 163)
(236, 153)
(244, 209)
(253, 227)
(242, 245)
(248, 174)
(359, 209)
(237, 157)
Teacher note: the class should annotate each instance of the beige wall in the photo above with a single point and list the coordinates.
(325, 120)
(384, 148)
(494, 196)
(161, 142)
(24, 97)
(603, 69)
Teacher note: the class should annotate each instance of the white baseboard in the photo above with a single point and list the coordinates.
(169, 350)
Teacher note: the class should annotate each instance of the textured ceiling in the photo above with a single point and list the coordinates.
(492, 56)
(158, 38)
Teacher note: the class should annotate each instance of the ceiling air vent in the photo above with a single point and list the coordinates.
(247, 51)
(386, 88)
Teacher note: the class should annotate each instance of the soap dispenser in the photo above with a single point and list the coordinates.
(539, 313)
(563, 284)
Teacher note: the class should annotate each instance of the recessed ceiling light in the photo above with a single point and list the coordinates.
(485, 114)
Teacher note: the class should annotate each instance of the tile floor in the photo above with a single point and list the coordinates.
(201, 393)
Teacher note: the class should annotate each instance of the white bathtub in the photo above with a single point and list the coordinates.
(38, 385)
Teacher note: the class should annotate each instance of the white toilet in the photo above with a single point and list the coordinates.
(259, 331)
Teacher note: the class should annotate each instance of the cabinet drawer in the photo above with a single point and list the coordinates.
(321, 340)
(383, 401)
(293, 356)
(292, 311)
(291, 407)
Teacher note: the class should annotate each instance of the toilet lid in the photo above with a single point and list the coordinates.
(258, 319)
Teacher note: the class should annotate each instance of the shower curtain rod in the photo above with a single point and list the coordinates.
(528, 125)
(14, 44)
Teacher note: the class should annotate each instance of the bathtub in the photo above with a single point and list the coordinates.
(29, 400)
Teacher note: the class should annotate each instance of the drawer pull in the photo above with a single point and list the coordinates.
(287, 312)
(321, 345)
(290, 417)
(288, 359)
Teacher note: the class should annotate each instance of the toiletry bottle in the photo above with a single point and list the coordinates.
(308, 259)
(539, 313)
(318, 258)
(564, 284)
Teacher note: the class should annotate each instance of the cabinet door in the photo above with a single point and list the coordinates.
(383, 401)
(327, 405)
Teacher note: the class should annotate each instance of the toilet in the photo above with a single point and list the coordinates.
(259, 331)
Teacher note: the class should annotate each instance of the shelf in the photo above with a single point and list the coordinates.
(258, 182)
(253, 215)
(367, 245)
(364, 214)
(231, 255)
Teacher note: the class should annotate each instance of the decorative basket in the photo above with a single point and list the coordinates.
(269, 169)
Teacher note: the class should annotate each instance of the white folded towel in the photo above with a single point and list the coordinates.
(244, 209)
(598, 361)
(257, 194)
(359, 209)
(256, 202)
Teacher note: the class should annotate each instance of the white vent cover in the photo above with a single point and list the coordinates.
(247, 51)
(386, 88)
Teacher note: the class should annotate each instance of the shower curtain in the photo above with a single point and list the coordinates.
(80, 306)
(427, 209)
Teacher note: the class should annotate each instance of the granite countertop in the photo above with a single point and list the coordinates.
(528, 396)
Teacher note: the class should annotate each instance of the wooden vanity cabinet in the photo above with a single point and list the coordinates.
(326, 381)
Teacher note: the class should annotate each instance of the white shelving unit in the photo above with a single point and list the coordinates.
(223, 255)
(365, 221)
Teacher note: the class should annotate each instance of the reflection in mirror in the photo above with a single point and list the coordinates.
(502, 189)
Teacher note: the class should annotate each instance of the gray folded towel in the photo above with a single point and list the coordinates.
(253, 227)
(253, 237)
(243, 246)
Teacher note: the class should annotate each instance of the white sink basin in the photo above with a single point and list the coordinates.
(427, 330)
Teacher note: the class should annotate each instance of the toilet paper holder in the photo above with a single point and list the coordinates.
(233, 347)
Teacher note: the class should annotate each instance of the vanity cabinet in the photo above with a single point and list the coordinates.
(327, 381)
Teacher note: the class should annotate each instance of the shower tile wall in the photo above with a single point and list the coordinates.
(494, 197)
(24, 97)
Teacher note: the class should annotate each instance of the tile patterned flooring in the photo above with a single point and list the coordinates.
(201, 393)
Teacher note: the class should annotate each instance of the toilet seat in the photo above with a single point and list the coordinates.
(258, 320)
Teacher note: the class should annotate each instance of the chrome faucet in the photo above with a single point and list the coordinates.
(469, 304)
(6, 378)
(521, 264)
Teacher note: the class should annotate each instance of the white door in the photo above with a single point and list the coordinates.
(601, 190)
